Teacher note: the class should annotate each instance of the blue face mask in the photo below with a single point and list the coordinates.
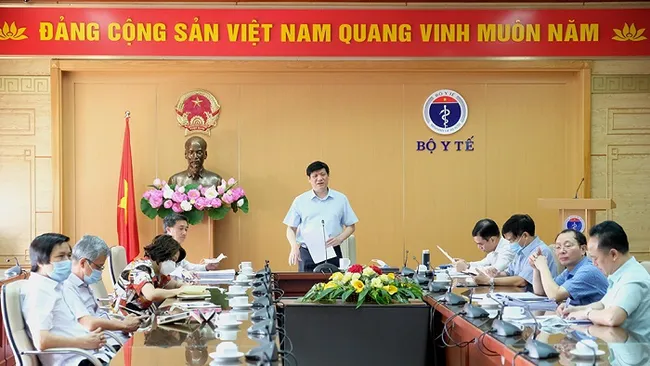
(61, 271)
(94, 277)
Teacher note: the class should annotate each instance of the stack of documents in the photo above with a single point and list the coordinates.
(526, 299)
(215, 277)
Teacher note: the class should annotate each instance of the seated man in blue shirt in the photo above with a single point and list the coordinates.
(321, 211)
(581, 281)
(519, 230)
(627, 301)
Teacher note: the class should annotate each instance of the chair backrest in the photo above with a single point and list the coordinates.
(15, 329)
(349, 248)
(99, 289)
(646, 265)
(116, 262)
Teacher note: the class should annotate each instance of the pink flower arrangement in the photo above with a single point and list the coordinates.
(194, 200)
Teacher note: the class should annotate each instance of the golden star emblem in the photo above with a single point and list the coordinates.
(197, 102)
(123, 201)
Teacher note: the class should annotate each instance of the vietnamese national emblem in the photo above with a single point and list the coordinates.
(197, 111)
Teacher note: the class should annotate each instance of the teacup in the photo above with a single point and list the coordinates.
(227, 318)
(238, 300)
(344, 263)
(513, 311)
(242, 277)
(247, 271)
(227, 335)
(241, 315)
(236, 289)
(586, 346)
(244, 265)
(227, 349)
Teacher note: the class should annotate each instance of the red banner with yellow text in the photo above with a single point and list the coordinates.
(168, 32)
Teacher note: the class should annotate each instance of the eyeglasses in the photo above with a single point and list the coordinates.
(99, 268)
(567, 246)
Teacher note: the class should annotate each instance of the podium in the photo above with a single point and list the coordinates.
(577, 213)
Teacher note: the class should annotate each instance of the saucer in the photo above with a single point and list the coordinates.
(241, 307)
(242, 283)
(227, 325)
(216, 356)
(514, 317)
(234, 294)
(577, 353)
(193, 296)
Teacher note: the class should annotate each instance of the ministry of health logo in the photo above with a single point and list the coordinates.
(445, 112)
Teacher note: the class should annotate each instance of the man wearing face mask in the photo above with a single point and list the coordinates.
(88, 259)
(50, 321)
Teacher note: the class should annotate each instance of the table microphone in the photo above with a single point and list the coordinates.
(500, 326)
(452, 298)
(406, 272)
(472, 311)
(420, 279)
(538, 349)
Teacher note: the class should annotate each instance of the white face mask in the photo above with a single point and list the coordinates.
(167, 267)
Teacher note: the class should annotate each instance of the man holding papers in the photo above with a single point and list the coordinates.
(627, 301)
(520, 230)
(318, 221)
(581, 281)
(488, 239)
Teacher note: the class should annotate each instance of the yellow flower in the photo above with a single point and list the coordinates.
(336, 276)
(11, 32)
(358, 286)
(390, 289)
(391, 276)
(629, 33)
(330, 284)
(346, 277)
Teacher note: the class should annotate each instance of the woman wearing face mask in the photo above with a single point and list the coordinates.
(47, 314)
(146, 281)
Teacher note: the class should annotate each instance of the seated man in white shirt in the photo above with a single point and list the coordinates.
(50, 321)
(176, 225)
(88, 259)
(488, 239)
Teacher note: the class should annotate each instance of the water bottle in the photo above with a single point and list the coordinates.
(426, 258)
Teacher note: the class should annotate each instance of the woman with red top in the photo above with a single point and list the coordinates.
(147, 281)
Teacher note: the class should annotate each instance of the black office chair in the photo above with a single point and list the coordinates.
(326, 268)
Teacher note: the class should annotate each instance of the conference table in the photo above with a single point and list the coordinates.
(466, 341)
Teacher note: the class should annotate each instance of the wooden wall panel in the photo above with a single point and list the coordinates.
(364, 124)
(25, 159)
(621, 146)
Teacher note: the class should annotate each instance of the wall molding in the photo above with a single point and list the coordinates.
(620, 84)
(24, 84)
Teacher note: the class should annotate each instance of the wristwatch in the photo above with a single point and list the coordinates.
(491, 281)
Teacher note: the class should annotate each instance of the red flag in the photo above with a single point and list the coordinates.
(127, 225)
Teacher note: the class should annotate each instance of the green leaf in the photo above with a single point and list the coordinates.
(323, 294)
(191, 186)
(244, 207)
(146, 208)
(362, 296)
(194, 216)
(347, 294)
(163, 212)
(218, 213)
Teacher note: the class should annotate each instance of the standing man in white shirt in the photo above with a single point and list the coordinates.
(176, 225)
(488, 239)
(50, 321)
(88, 259)
(320, 208)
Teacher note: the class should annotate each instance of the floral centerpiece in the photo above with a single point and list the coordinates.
(194, 200)
(365, 284)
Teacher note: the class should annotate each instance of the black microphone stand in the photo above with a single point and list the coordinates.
(472, 311)
(450, 297)
(406, 272)
(500, 326)
(538, 349)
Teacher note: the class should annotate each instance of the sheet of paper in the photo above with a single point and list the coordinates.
(522, 295)
(446, 254)
(315, 242)
(215, 260)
